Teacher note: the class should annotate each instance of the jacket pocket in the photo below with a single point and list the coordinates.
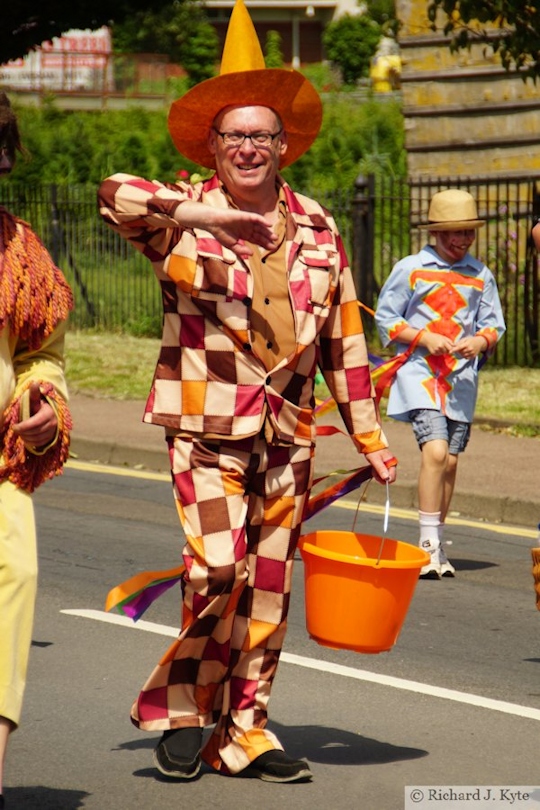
(319, 269)
(218, 277)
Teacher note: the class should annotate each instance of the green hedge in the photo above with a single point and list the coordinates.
(84, 147)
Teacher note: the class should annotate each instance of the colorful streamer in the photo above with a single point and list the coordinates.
(323, 499)
(134, 596)
(324, 406)
(383, 374)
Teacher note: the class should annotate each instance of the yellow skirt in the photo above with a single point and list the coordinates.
(18, 585)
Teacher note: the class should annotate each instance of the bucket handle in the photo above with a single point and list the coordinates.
(385, 520)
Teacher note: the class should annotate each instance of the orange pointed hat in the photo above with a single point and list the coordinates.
(244, 80)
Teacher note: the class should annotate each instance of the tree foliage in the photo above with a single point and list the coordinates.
(355, 138)
(199, 52)
(350, 43)
(85, 147)
(180, 30)
(27, 23)
(510, 27)
(384, 13)
(273, 55)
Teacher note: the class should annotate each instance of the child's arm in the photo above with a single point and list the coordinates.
(432, 341)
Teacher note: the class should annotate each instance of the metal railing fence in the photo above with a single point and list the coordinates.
(113, 285)
(115, 289)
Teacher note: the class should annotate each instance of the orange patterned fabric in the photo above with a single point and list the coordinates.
(27, 469)
(239, 558)
(209, 379)
(457, 301)
(35, 301)
(34, 295)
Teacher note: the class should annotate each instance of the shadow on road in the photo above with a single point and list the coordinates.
(335, 746)
(471, 565)
(331, 746)
(39, 797)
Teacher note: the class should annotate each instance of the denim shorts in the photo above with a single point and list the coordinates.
(429, 424)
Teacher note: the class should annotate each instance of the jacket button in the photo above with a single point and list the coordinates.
(269, 344)
(246, 301)
(247, 347)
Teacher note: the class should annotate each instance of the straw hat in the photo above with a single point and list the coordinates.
(452, 210)
(244, 80)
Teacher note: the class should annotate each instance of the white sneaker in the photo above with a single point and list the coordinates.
(432, 569)
(447, 569)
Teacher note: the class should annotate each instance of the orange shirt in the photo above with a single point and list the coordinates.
(272, 318)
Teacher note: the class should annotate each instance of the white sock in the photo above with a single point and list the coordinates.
(441, 536)
(429, 529)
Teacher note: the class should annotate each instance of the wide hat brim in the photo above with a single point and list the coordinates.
(287, 92)
(460, 225)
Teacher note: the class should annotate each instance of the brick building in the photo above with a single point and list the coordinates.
(300, 23)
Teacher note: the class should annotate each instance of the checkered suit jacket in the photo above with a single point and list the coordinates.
(208, 380)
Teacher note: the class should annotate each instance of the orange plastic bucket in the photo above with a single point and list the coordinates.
(358, 588)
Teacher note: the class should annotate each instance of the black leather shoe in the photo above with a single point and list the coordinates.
(276, 766)
(178, 753)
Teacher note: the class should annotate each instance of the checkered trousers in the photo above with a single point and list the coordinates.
(241, 505)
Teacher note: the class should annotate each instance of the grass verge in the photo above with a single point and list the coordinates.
(121, 367)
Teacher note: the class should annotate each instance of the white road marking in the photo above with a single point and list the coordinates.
(335, 669)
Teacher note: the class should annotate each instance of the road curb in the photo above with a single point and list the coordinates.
(120, 455)
(477, 506)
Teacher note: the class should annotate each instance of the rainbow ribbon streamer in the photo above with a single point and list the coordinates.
(382, 374)
(133, 597)
(355, 478)
(324, 406)
(384, 371)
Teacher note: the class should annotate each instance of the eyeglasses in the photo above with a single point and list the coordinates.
(258, 139)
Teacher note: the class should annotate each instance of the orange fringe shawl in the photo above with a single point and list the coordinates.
(22, 467)
(34, 295)
(34, 299)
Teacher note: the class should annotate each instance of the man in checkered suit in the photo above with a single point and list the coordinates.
(257, 294)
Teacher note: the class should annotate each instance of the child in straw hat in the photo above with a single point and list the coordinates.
(446, 303)
(257, 292)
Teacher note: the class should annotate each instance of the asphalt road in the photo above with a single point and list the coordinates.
(455, 702)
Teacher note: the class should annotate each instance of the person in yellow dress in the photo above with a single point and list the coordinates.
(35, 300)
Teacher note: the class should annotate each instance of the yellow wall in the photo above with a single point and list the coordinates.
(487, 118)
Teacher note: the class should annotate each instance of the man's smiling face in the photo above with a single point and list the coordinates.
(248, 171)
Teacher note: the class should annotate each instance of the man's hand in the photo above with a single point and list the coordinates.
(230, 226)
(384, 466)
(40, 428)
